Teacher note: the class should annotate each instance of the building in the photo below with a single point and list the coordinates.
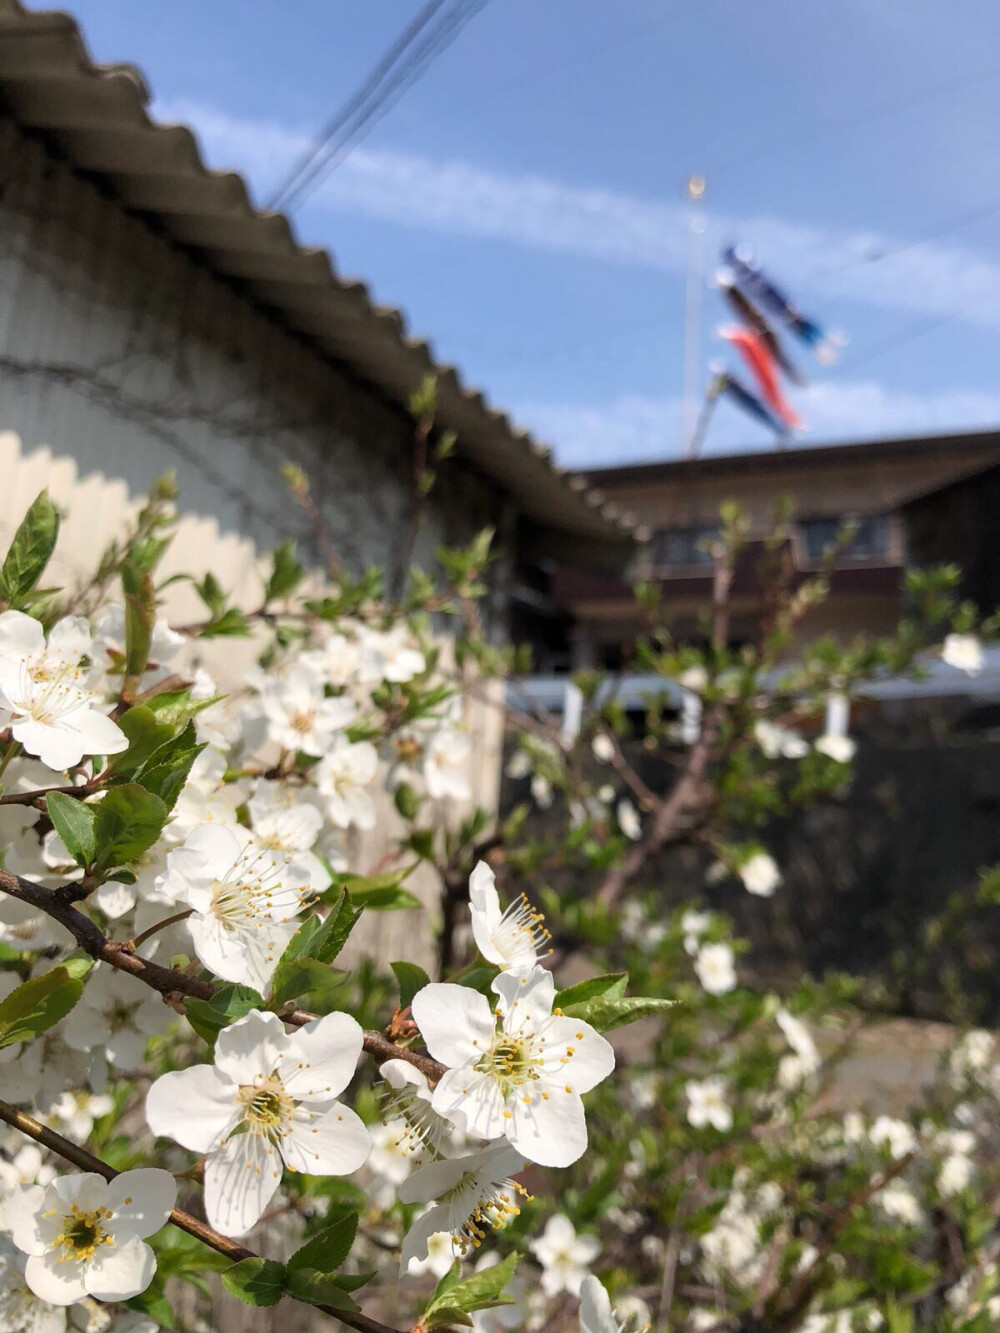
(154, 319)
(874, 484)
(955, 523)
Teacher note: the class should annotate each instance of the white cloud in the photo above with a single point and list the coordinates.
(544, 214)
(636, 428)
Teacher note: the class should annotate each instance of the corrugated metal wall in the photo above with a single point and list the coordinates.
(122, 357)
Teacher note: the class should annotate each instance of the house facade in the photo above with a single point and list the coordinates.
(868, 484)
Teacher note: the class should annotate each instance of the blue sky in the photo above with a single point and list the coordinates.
(522, 203)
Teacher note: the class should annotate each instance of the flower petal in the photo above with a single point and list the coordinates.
(595, 1308)
(575, 1053)
(55, 1282)
(415, 1241)
(334, 1143)
(433, 1180)
(22, 1214)
(141, 1201)
(452, 1019)
(251, 1047)
(195, 1107)
(87, 1190)
(467, 1093)
(320, 1059)
(118, 1272)
(525, 995)
(549, 1130)
(240, 1180)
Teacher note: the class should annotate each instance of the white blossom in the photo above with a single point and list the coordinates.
(512, 938)
(603, 748)
(628, 820)
(471, 1193)
(894, 1135)
(964, 652)
(85, 1236)
(563, 1255)
(760, 874)
(268, 1101)
(21, 1311)
(517, 1072)
(344, 777)
(897, 1200)
(44, 686)
(407, 1098)
(707, 1104)
(694, 925)
(288, 820)
(244, 900)
(779, 742)
(299, 717)
(446, 765)
(715, 967)
(840, 748)
(392, 1156)
(116, 1014)
(391, 655)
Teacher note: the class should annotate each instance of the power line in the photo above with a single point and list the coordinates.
(407, 58)
(357, 99)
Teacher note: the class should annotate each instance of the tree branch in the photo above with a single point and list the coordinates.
(167, 980)
(80, 1157)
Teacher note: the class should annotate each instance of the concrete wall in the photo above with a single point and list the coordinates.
(122, 357)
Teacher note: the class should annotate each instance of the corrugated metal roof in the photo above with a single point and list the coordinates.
(985, 442)
(96, 115)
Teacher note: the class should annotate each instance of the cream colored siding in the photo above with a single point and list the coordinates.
(122, 357)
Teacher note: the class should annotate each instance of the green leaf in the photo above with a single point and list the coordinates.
(447, 1316)
(328, 1249)
(256, 1281)
(146, 734)
(29, 551)
(306, 1284)
(176, 707)
(411, 978)
(333, 934)
(477, 1292)
(286, 572)
(612, 985)
(37, 1005)
(406, 801)
(230, 1002)
(167, 769)
(232, 623)
(78, 964)
(449, 1280)
(129, 821)
(123, 876)
(300, 976)
(604, 1012)
(154, 1303)
(75, 823)
(381, 898)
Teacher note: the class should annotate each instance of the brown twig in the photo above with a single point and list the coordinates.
(167, 980)
(80, 1157)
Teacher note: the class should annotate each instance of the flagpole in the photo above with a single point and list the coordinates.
(695, 192)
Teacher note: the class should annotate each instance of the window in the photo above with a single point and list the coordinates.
(870, 540)
(677, 548)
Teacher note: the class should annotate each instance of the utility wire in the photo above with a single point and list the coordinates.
(357, 99)
(408, 57)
